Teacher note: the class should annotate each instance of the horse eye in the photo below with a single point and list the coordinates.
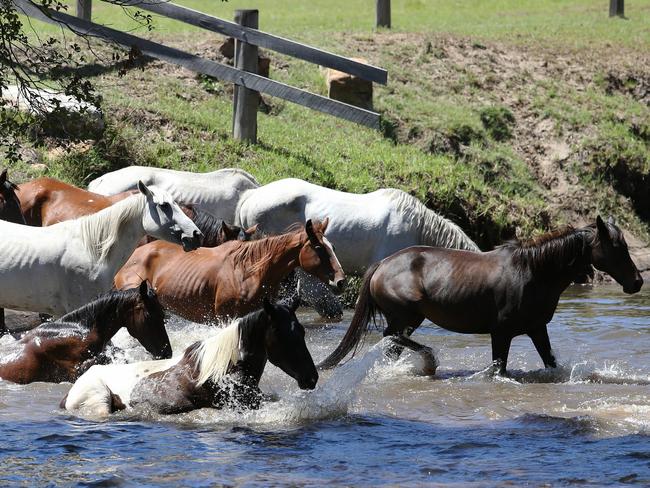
(165, 206)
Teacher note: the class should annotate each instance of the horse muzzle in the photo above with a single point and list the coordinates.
(337, 285)
(635, 287)
(190, 243)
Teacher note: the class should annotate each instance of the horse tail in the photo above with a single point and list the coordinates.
(364, 313)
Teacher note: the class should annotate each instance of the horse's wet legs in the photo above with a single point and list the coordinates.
(430, 362)
(543, 345)
(3, 327)
(401, 339)
(500, 349)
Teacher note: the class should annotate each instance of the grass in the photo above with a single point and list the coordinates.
(470, 85)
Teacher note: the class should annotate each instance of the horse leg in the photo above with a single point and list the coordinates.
(543, 345)
(430, 361)
(3, 326)
(500, 349)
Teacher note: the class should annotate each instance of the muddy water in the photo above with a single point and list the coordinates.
(373, 422)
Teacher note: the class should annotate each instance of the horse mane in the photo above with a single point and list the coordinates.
(100, 231)
(213, 356)
(207, 223)
(551, 250)
(254, 255)
(434, 229)
(88, 314)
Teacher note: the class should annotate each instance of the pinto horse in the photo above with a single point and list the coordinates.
(231, 280)
(59, 268)
(216, 192)
(221, 371)
(63, 350)
(507, 292)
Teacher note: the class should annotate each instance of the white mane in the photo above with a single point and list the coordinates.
(435, 230)
(213, 355)
(99, 231)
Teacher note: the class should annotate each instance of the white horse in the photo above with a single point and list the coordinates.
(216, 192)
(59, 268)
(365, 228)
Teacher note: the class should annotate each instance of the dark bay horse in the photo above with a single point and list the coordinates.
(231, 280)
(65, 349)
(48, 201)
(11, 212)
(221, 371)
(507, 292)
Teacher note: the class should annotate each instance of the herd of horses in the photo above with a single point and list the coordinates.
(218, 247)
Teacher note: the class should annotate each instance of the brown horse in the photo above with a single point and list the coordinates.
(507, 292)
(231, 280)
(65, 349)
(47, 201)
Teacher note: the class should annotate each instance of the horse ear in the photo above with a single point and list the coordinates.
(144, 288)
(144, 190)
(603, 231)
(3, 176)
(268, 307)
(324, 224)
(250, 231)
(309, 227)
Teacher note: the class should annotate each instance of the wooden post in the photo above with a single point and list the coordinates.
(246, 101)
(84, 9)
(617, 8)
(383, 13)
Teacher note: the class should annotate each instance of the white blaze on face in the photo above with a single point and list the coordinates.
(329, 246)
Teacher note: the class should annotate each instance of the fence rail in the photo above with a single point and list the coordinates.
(222, 71)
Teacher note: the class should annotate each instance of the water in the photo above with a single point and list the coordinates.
(374, 422)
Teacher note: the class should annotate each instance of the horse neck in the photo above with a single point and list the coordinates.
(281, 257)
(112, 234)
(253, 352)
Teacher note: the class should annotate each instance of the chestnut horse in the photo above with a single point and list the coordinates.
(221, 371)
(231, 280)
(507, 292)
(47, 201)
(65, 349)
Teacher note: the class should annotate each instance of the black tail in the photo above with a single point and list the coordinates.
(364, 312)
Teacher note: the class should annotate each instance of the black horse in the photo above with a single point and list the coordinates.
(63, 350)
(507, 292)
(223, 370)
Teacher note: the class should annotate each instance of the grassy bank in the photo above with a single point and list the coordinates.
(509, 117)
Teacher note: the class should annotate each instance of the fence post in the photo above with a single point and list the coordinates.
(617, 8)
(246, 101)
(84, 9)
(383, 13)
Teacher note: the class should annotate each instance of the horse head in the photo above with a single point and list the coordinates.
(231, 232)
(317, 256)
(164, 218)
(9, 202)
(147, 324)
(285, 344)
(610, 254)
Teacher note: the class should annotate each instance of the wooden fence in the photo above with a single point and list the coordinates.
(243, 74)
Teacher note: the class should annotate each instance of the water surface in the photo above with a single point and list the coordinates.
(373, 422)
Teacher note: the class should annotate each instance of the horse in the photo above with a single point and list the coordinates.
(223, 370)
(10, 209)
(59, 268)
(365, 227)
(510, 291)
(11, 212)
(216, 192)
(63, 350)
(231, 280)
(48, 201)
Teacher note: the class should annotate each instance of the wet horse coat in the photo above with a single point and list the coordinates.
(232, 279)
(65, 349)
(507, 292)
(221, 371)
(62, 267)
